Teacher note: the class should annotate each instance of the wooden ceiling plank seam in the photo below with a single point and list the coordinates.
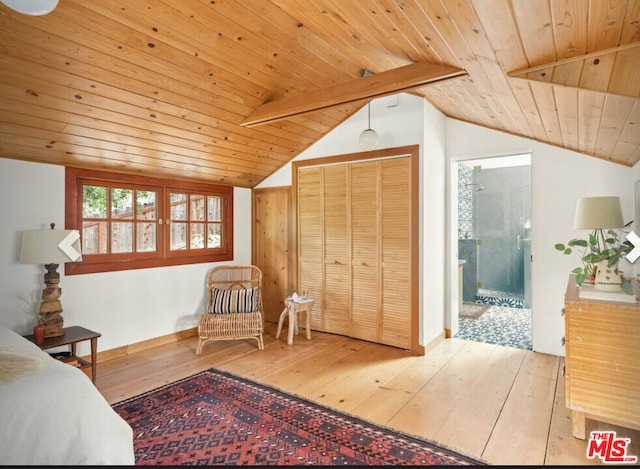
(625, 76)
(82, 54)
(258, 163)
(313, 61)
(187, 174)
(534, 22)
(226, 56)
(502, 33)
(73, 157)
(381, 29)
(101, 39)
(426, 29)
(590, 112)
(90, 88)
(597, 72)
(306, 39)
(444, 93)
(605, 22)
(456, 39)
(631, 28)
(372, 37)
(116, 130)
(210, 148)
(523, 94)
(308, 13)
(545, 102)
(616, 110)
(566, 99)
(154, 160)
(567, 74)
(239, 38)
(473, 32)
(628, 145)
(213, 161)
(80, 86)
(446, 26)
(570, 27)
(97, 106)
(415, 41)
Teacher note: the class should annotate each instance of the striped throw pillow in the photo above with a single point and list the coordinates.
(237, 300)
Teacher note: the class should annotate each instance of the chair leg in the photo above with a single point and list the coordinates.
(260, 342)
(281, 321)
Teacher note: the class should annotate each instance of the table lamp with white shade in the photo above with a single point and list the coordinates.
(51, 248)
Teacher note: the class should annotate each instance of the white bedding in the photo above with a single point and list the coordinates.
(52, 414)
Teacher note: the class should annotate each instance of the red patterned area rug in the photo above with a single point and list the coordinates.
(214, 418)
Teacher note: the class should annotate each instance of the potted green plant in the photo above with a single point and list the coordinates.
(603, 249)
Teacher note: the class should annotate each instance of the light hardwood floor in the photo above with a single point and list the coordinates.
(502, 405)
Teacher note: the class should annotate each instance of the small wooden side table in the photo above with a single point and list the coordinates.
(73, 335)
(292, 308)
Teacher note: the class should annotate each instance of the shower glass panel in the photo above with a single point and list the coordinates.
(501, 223)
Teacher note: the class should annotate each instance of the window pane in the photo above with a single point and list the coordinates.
(94, 237)
(94, 202)
(178, 206)
(214, 205)
(146, 205)
(121, 237)
(197, 235)
(129, 223)
(145, 237)
(178, 236)
(214, 239)
(197, 207)
(121, 204)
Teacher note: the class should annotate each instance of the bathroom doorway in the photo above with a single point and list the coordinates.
(494, 241)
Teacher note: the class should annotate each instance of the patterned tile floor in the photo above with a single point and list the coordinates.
(499, 325)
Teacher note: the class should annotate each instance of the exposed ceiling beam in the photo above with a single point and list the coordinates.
(612, 71)
(380, 84)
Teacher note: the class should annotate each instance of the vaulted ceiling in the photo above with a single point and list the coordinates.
(228, 91)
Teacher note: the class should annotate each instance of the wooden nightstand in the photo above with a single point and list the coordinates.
(73, 335)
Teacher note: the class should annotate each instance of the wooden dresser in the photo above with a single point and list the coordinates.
(602, 364)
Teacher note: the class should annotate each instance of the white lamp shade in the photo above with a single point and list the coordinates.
(598, 213)
(32, 7)
(50, 247)
(368, 139)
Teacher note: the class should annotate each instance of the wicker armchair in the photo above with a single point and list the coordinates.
(235, 306)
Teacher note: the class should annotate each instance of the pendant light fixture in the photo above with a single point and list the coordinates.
(369, 137)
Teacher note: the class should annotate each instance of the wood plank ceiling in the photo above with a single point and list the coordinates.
(163, 87)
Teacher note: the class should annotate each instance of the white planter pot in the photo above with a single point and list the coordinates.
(608, 278)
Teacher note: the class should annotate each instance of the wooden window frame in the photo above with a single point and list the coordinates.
(74, 178)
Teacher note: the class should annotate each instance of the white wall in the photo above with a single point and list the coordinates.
(132, 306)
(402, 120)
(558, 178)
(126, 306)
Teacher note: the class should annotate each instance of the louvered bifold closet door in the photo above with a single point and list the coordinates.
(337, 265)
(395, 213)
(365, 228)
(310, 239)
(354, 253)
